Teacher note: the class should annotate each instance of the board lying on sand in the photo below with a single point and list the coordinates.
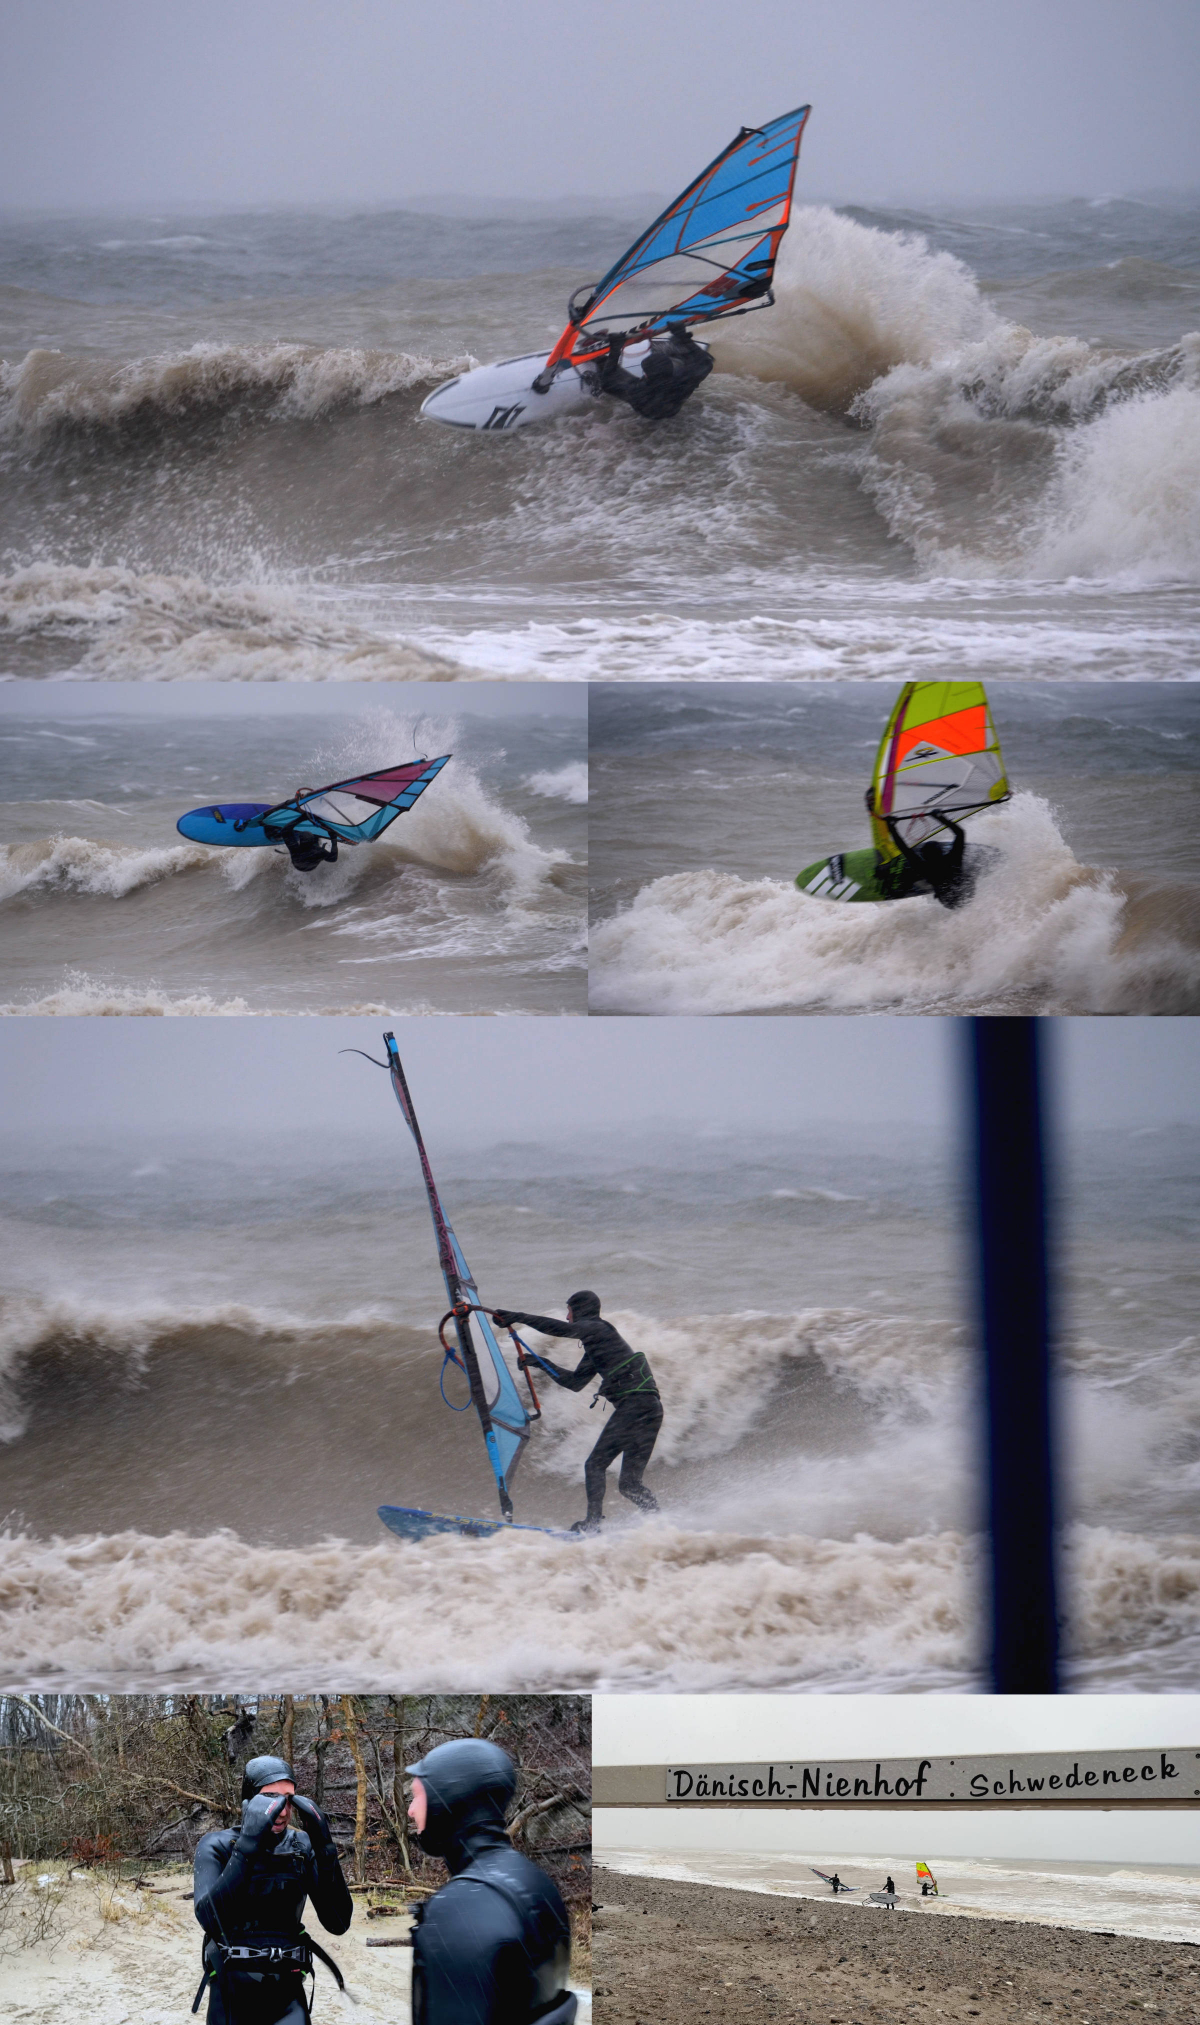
(711, 254)
(939, 761)
(350, 811)
(411, 1524)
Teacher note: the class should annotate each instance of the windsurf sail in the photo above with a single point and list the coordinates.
(926, 1878)
(711, 253)
(939, 756)
(829, 1879)
(355, 811)
(493, 1392)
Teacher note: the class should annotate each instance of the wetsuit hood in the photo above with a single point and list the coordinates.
(582, 1305)
(468, 1785)
(262, 1772)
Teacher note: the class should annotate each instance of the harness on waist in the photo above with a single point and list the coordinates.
(641, 1379)
(263, 1957)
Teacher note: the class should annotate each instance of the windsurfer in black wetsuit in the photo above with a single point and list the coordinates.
(251, 1885)
(671, 370)
(493, 1946)
(935, 864)
(626, 1382)
(306, 853)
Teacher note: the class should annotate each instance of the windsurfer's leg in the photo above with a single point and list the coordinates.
(645, 1416)
(595, 1469)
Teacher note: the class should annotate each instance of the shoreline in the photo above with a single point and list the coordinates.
(669, 1953)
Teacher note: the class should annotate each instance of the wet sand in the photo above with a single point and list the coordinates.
(666, 1953)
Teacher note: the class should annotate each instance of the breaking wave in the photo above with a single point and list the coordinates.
(49, 391)
(564, 783)
(992, 451)
(1042, 933)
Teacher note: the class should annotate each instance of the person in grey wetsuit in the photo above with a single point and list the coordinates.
(626, 1382)
(251, 1884)
(492, 1947)
(671, 371)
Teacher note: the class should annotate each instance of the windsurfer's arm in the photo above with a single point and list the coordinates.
(547, 1326)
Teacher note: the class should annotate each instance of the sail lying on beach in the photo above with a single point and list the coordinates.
(939, 756)
(493, 1392)
(357, 810)
(711, 253)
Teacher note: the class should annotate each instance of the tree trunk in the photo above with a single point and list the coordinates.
(360, 1804)
(399, 1811)
(287, 1713)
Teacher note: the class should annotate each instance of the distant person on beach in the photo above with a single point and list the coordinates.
(493, 1946)
(251, 1884)
(835, 1884)
(626, 1382)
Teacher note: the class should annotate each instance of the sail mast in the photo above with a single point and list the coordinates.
(456, 1288)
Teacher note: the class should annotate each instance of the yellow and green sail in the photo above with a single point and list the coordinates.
(938, 757)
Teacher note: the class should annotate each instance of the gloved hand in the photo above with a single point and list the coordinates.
(258, 1820)
(502, 1317)
(313, 1822)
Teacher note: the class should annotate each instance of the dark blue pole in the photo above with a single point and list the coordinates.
(1014, 1309)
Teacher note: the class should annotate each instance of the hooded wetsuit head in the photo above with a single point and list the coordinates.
(468, 1786)
(580, 1306)
(262, 1772)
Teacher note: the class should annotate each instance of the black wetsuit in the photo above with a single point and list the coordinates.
(933, 864)
(492, 1947)
(306, 853)
(671, 370)
(627, 1383)
(256, 1898)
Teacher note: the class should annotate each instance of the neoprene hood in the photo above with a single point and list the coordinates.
(262, 1772)
(583, 1304)
(468, 1784)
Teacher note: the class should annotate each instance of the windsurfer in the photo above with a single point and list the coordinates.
(671, 370)
(626, 1382)
(933, 863)
(306, 853)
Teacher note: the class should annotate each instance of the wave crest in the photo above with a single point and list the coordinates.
(50, 391)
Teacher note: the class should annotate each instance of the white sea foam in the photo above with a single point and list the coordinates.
(82, 865)
(115, 621)
(650, 1607)
(81, 996)
(564, 783)
(851, 302)
(1041, 932)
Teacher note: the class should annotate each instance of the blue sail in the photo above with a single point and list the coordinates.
(356, 810)
(712, 252)
(502, 1417)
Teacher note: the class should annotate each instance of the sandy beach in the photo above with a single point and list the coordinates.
(118, 1955)
(665, 1953)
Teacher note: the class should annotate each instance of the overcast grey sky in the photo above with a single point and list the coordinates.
(551, 1079)
(149, 102)
(686, 1729)
(75, 701)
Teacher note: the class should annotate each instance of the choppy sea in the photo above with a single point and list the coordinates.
(473, 901)
(220, 1356)
(967, 438)
(706, 802)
